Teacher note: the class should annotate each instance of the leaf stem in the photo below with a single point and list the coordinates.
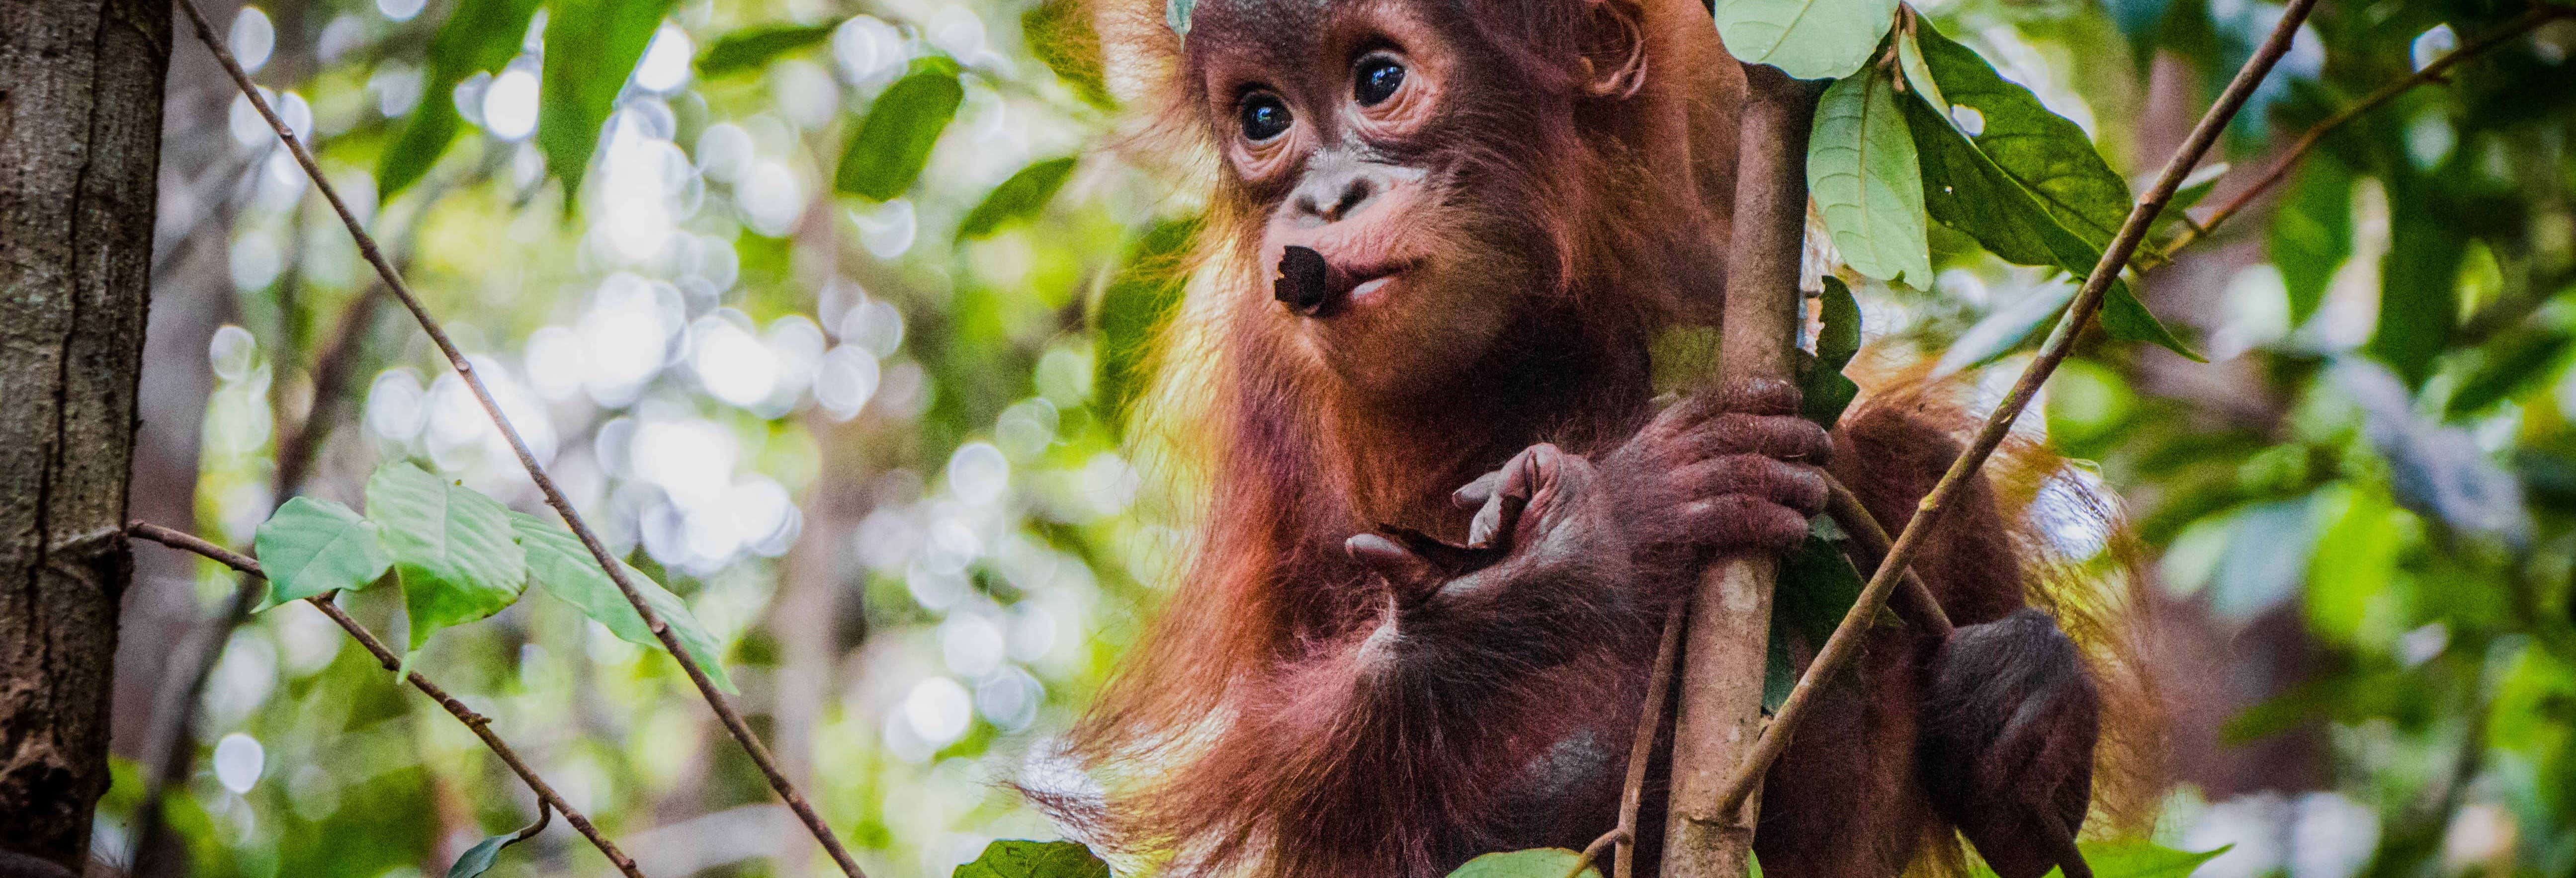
(2539, 14)
(1845, 642)
(733, 721)
(481, 725)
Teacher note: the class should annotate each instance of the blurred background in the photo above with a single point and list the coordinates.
(874, 438)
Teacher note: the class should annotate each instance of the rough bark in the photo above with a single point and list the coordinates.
(80, 128)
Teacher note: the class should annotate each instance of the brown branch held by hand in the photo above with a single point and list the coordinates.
(1844, 643)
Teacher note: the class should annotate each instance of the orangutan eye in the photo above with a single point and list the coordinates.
(1264, 117)
(1379, 77)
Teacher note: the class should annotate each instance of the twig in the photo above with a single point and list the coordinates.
(1592, 852)
(2539, 14)
(1839, 648)
(1914, 600)
(481, 725)
(733, 721)
(1641, 750)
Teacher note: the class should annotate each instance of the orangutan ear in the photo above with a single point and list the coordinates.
(1614, 49)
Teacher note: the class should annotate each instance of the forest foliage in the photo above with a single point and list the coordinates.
(830, 317)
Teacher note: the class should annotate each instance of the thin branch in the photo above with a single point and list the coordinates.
(1641, 750)
(481, 725)
(1914, 601)
(2539, 14)
(1840, 647)
(733, 720)
(1592, 852)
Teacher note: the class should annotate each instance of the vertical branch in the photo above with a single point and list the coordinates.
(1844, 643)
(1729, 627)
(733, 721)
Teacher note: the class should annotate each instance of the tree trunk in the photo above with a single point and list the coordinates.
(80, 129)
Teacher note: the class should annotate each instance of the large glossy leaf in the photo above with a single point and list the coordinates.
(1132, 309)
(2044, 152)
(1862, 172)
(1966, 191)
(753, 47)
(1807, 39)
(1013, 858)
(1019, 197)
(311, 546)
(2311, 233)
(1533, 863)
(591, 49)
(893, 144)
(561, 566)
(479, 36)
(452, 548)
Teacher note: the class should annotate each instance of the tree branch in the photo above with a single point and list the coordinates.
(733, 722)
(1840, 647)
(1914, 601)
(2539, 14)
(1730, 614)
(481, 725)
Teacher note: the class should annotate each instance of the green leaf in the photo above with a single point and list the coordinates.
(2507, 370)
(752, 48)
(2419, 284)
(1779, 668)
(479, 36)
(1019, 197)
(893, 144)
(1131, 313)
(478, 859)
(1862, 172)
(314, 546)
(2047, 154)
(2124, 859)
(1839, 340)
(1818, 586)
(563, 567)
(451, 548)
(2311, 233)
(1964, 189)
(1176, 15)
(1807, 39)
(1013, 858)
(591, 49)
(1533, 863)
(2138, 859)
(1059, 33)
(1823, 390)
